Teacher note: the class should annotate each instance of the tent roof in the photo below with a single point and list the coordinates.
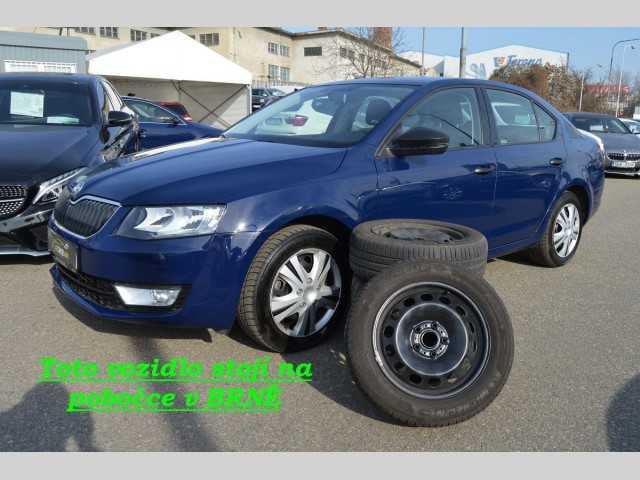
(172, 56)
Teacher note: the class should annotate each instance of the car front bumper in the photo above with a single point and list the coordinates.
(210, 269)
(26, 233)
(623, 171)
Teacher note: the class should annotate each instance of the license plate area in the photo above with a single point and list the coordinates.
(63, 251)
(622, 164)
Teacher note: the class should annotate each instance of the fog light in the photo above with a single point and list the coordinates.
(148, 297)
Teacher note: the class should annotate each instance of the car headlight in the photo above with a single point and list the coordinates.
(50, 190)
(148, 223)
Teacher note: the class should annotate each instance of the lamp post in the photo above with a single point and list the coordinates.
(624, 50)
(422, 63)
(613, 48)
(463, 54)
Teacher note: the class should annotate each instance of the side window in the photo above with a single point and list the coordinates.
(148, 112)
(514, 118)
(453, 111)
(546, 124)
(113, 96)
(103, 101)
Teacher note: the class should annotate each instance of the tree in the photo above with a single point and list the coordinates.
(356, 53)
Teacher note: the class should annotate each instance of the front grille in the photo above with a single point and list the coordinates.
(624, 156)
(12, 199)
(103, 292)
(85, 217)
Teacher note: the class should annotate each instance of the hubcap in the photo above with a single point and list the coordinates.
(305, 292)
(431, 340)
(566, 231)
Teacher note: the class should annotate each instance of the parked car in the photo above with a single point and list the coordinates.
(255, 227)
(621, 145)
(632, 125)
(261, 97)
(177, 108)
(160, 126)
(52, 126)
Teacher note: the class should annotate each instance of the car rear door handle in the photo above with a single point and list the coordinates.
(142, 133)
(556, 162)
(484, 169)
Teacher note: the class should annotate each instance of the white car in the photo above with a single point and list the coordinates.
(633, 125)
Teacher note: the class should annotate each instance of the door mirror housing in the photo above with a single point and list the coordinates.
(118, 119)
(419, 141)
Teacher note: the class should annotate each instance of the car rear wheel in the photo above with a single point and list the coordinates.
(296, 289)
(562, 235)
(431, 345)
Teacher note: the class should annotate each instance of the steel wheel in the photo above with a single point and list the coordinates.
(305, 292)
(566, 231)
(431, 340)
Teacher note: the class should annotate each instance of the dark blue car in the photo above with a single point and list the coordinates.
(254, 226)
(52, 126)
(160, 126)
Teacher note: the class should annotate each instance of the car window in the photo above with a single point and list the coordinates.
(600, 124)
(330, 115)
(114, 98)
(514, 117)
(453, 111)
(546, 124)
(148, 112)
(40, 102)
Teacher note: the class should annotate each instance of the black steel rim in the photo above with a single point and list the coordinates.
(431, 340)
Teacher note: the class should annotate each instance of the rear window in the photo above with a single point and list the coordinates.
(39, 102)
(176, 108)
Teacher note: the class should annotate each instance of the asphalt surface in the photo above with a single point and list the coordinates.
(575, 383)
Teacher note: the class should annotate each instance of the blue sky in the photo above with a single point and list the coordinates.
(587, 47)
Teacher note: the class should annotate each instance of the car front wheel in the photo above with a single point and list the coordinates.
(296, 290)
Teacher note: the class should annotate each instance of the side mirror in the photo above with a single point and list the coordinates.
(419, 141)
(118, 119)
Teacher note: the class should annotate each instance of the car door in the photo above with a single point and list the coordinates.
(530, 154)
(159, 126)
(455, 186)
(117, 139)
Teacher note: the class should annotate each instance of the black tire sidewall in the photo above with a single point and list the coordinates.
(399, 404)
(316, 238)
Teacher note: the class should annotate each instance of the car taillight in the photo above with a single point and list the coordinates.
(299, 120)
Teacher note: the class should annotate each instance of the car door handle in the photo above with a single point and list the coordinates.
(142, 133)
(484, 169)
(556, 162)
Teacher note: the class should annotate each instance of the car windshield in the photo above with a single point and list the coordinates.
(600, 124)
(325, 116)
(39, 102)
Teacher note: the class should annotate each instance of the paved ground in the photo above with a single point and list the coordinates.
(575, 384)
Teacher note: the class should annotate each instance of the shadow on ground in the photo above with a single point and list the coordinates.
(623, 418)
(40, 423)
(24, 260)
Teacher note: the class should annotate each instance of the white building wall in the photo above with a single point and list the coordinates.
(483, 64)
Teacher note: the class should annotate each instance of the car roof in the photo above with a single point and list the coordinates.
(52, 77)
(588, 115)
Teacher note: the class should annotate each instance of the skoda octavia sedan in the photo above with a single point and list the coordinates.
(254, 226)
(52, 126)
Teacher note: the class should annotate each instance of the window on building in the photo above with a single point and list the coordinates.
(347, 53)
(87, 30)
(273, 72)
(272, 48)
(193, 36)
(284, 50)
(109, 32)
(312, 51)
(138, 35)
(154, 35)
(210, 39)
(285, 74)
(514, 117)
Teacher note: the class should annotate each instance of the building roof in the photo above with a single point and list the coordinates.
(42, 40)
(172, 56)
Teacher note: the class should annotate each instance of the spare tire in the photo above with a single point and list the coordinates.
(379, 244)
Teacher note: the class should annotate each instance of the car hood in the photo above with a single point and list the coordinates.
(617, 142)
(207, 171)
(30, 154)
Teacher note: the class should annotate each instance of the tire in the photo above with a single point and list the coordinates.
(544, 252)
(438, 397)
(377, 245)
(263, 282)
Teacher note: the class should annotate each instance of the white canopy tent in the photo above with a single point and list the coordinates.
(174, 67)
